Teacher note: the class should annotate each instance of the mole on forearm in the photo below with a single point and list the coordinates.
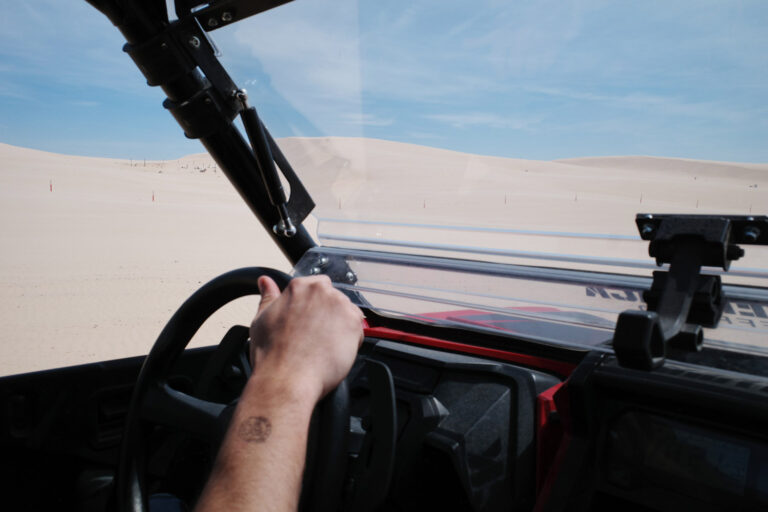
(255, 429)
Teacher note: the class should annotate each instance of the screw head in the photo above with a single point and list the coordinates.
(314, 271)
(751, 233)
(212, 22)
(350, 276)
(194, 42)
(647, 229)
(226, 16)
(287, 230)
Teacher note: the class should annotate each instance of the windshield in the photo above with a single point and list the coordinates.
(528, 133)
(534, 130)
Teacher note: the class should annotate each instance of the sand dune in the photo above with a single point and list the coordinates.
(93, 269)
(98, 253)
(572, 195)
(403, 183)
(676, 165)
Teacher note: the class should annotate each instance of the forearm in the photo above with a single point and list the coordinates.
(303, 342)
(261, 461)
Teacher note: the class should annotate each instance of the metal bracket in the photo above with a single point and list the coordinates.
(181, 58)
(213, 14)
(334, 266)
(681, 301)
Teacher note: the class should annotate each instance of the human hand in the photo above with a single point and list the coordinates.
(308, 335)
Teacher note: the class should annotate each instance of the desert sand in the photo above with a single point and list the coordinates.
(93, 269)
(98, 253)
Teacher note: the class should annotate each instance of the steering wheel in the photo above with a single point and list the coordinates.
(155, 402)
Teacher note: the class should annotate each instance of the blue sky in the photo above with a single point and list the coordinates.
(527, 79)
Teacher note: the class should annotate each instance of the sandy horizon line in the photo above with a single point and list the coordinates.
(203, 154)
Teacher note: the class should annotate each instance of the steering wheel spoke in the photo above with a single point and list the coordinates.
(167, 406)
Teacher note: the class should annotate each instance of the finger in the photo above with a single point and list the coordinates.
(269, 292)
(320, 278)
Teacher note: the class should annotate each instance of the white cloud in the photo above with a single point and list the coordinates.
(310, 52)
(428, 136)
(487, 119)
(321, 51)
(674, 106)
(52, 42)
(85, 103)
(11, 89)
(366, 119)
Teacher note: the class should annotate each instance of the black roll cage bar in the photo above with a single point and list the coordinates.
(179, 57)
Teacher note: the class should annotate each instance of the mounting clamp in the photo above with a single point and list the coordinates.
(681, 300)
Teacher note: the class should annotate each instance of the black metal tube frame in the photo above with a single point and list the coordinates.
(201, 97)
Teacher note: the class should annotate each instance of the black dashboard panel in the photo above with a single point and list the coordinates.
(466, 428)
(655, 459)
(680, 437)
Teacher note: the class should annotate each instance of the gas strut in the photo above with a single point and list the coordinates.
(266, 163)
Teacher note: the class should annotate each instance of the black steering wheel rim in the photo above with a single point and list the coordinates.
(130, 488)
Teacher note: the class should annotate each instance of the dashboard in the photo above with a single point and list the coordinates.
(465, 428)
(664, 459)
(429, 429)
(470, 432)
(678, 438)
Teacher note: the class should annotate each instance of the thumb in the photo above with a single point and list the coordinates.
(269, 292)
